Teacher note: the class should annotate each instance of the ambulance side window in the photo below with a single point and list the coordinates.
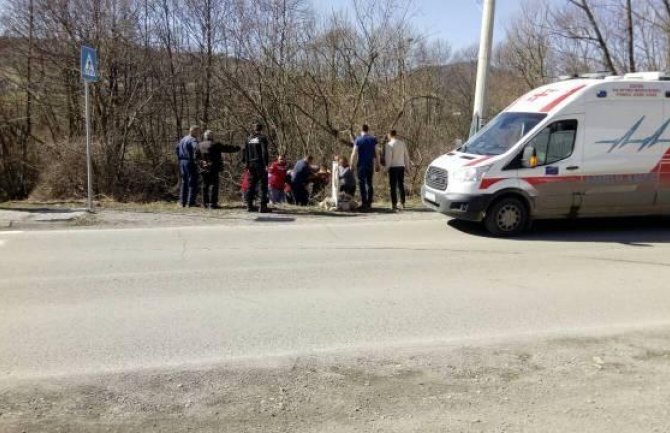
(555, 142)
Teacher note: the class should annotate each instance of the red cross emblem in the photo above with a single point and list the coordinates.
(537, 96)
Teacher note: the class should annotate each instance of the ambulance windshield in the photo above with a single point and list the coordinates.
(501, 133)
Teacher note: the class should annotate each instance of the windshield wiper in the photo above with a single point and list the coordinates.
(465, 149)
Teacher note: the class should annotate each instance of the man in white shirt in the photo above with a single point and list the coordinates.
(397, 160)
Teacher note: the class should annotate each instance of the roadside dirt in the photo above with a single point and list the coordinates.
(606, 384)
(38, 215)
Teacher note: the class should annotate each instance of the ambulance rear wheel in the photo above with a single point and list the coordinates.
(507, 217)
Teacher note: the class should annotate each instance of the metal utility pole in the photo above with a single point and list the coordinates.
(89, 171)
(483, 64)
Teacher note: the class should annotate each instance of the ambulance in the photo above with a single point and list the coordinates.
(593, 146)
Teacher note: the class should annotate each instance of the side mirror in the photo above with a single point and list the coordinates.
(529, 159)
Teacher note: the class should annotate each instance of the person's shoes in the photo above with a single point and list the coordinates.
(395, 208)
(265, 209)
(252, 208)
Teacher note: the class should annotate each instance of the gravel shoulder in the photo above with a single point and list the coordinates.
(59, 215)
(605, 384)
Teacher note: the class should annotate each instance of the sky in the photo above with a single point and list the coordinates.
(456, 21)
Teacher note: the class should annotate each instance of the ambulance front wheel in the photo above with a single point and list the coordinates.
(507, 217)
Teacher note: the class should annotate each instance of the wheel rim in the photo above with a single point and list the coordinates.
(509, 218)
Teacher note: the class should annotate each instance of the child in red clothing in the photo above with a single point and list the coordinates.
(277, 172)
(245, 184)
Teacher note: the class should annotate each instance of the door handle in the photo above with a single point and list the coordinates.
(572, 167)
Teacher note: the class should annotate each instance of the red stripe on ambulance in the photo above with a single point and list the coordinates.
(486, 183)
(547, 108)
(539, 180)
(543, 180)
(477, 161)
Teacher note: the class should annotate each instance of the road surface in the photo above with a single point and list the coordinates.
(97, 301)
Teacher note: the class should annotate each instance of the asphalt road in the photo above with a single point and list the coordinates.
(91, 300)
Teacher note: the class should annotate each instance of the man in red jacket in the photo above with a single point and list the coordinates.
(277, 171)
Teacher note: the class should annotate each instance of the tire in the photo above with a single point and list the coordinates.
(507, 217)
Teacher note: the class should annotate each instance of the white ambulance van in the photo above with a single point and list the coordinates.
(585, 147)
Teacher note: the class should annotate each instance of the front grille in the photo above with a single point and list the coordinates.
(437, 178)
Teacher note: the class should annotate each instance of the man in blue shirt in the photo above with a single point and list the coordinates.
(188, 169)
(365, 157)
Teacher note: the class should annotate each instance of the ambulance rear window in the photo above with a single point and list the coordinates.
(501, 133)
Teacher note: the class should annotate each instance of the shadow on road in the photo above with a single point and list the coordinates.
(274, 219)
(311, 211)
(634, 231)
(315, 211)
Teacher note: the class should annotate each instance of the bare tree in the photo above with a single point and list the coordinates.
(224, 64)
(527, 48)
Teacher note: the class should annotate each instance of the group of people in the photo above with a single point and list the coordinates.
(202, 162)
(200, 159)
(299, 185)
(368, 159)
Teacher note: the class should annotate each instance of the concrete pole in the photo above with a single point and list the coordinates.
(483, 64)
(335, 182)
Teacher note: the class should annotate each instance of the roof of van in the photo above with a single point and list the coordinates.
(555, 96)
(551, 96)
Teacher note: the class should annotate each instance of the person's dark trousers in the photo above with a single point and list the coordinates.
(188, 192)
(348, 189)
(365, 173)
(257, 175)
(397, 183)
(210, 189)
(300, 194)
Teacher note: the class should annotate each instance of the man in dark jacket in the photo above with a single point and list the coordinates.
(210, 164)
(302, 175)
(188, 171)
(256, 158)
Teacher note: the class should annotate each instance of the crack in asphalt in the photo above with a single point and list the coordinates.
(184, 244)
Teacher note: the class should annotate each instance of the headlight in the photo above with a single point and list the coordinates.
(472, 174)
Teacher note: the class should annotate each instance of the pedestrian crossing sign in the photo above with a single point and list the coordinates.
(89, 64)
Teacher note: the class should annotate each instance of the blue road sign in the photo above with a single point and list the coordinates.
(89, 64)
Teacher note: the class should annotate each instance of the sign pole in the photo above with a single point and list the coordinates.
(89, 173)
(89, 73)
